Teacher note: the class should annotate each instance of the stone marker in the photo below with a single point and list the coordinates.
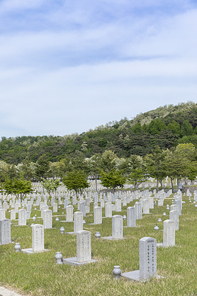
(37, 240)
(97, 215)
(147, 261)
(174, 215)
(69, 214)
(22, 217)
(138, 209)
(131, 217)
(83, 250)
(117, 227)
(78, 221)
(55, 207)
(2, 214)
(168, 233)
(108, 210)
(47, 219)
(5, 232)
(145, 206)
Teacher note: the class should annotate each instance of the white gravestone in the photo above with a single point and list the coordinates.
(5, 232)
(147, 261)
(22, 215)
(2, 214)
(131, 217)
(117, 227)
(37, 238)
(78, 221)
(97, 215)
(47, 219)
(148, 257)
(108, 210)
(118, 205)
(69, 214)
(174, 215)
(145, 206)
(55, 207)
(138, 209)
(83, 250)
(83, 246)
(168, 233)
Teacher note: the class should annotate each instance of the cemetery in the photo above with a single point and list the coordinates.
(99, 243)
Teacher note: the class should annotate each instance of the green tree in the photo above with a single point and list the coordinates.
(93, 163)
(186, 128)
(155, 164)
(76, 181)
(42, 167)
(17, 186)
(112, 179)
(108, 161)
(175, 165)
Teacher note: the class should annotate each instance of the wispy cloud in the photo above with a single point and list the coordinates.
(67, 66)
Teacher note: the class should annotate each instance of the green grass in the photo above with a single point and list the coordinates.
(38, 274)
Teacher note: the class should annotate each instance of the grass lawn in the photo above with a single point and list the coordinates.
(38, 274)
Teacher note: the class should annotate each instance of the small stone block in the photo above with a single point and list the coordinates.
(135, 276)
(73, 261)
(111, 238)
(30, 251)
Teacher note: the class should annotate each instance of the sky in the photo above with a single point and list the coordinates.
(68, 66)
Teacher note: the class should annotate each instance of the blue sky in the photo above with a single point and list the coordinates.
(70, 66)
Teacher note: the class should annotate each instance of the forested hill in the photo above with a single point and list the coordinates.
(166, 126)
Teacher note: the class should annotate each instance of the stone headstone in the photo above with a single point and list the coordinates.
(138, 209)
(55, 207)
(168, 233)
(69, 214)
(108, 210)
(37, 238)
(22, 217)
(174, 215)
(148, 257)
(2, 214)
(131, 217)
(47, 219)
(83, 246)
(117, 227)
(97, 215)
(5, 232)
(78, 221)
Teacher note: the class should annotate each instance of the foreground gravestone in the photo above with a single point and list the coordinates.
(37, 240)
(83, 250)
(47, 219)
(147, 261)
(5, 232)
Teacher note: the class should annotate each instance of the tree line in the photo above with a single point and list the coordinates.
(165, 127)
(177, 163)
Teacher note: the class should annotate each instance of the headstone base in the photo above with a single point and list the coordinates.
(30, 251)
(73, 261)
(135, 276)
(111, 238)
(162, 246)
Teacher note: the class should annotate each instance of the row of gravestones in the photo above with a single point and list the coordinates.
(85, 239)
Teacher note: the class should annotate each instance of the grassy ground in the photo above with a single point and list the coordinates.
(38, 274)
